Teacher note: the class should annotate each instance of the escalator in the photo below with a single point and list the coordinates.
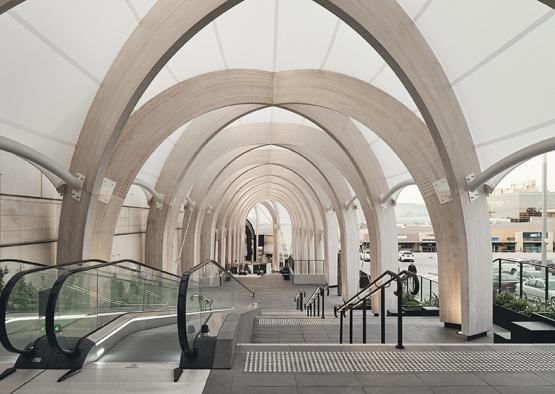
(23, 307)
(214, 309)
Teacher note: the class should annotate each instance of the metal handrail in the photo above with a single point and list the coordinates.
(55, 291)
(6, 293)
(186, 347)
(376, 285)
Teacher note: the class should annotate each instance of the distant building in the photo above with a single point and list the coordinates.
(520, 202)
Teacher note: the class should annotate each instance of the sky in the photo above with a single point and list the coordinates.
(532, 169)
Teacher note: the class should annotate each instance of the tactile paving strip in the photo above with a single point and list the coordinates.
(314, 321)
(399, 361)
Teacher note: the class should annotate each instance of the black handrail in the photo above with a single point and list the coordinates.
(299, 299)
(6, 293)
(317, 297)
(55, 291)
(534, 263)
(376, 285)
(186, 347)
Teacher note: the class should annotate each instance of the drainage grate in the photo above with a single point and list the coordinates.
(268, 321)
(400, 361)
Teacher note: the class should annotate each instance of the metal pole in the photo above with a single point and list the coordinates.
(302, 301)
(323, 317)
(546, 285)
(399, 315)
(520, 290)
(382, 314)
(544, 211)
(351, 325)
(318, 305)
(499, 279)
(341, 327)
(364, 321)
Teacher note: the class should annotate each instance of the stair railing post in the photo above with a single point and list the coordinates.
(364, 320)
(399, 314)
(341, 327)
(351, 325)
(322, 294)
(382, 314)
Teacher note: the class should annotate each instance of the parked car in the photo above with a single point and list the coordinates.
(534, 289)
(366, 255)
(406, 255)
(508, 282)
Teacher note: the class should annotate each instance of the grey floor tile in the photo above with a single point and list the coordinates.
(464, 390)
(513, 379)
(398, 390)
(525, 389)
(451, 379)
(264, 390)
(388, 379)
(344, 379)
(264, 379)
(330, 390)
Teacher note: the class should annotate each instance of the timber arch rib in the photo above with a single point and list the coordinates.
(449, 151)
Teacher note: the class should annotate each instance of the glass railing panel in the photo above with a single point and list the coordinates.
(209, 290)
(91, 298)
(26, 302)
(8, 268)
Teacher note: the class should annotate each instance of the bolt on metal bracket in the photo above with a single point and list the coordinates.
(76, 193)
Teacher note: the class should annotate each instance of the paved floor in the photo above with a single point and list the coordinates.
(280, 325)
(291, 353)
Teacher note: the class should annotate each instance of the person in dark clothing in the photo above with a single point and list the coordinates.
(412, 268)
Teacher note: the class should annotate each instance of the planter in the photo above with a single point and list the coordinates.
(540, 316)
(420, 310)
(504, 317)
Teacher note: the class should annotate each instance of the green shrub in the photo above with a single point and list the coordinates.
(522, 305)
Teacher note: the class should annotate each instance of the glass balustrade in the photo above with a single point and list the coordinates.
(208, 291)
(89, 298)
(24, 299)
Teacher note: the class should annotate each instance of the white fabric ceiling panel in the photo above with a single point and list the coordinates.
(247, 34)
(512, 94)
(305, 30)
(496, 150)
(152, 167)
(59, 151)
(352, 55)
(90, 33)
(414, 7)
(393, 169)
(163, 80)
(40, 89)
(463, 33)
(140, 7)
(200, 55)
(388, 81)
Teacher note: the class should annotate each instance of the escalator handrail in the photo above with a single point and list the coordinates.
(23, 262)
(182, 303)
(6, 293)
(55, 292)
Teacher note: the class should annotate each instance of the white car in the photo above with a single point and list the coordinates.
(406, 255)
(534, 289)
(366, 255)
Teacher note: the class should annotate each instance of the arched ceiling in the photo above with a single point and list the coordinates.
(496, 53)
